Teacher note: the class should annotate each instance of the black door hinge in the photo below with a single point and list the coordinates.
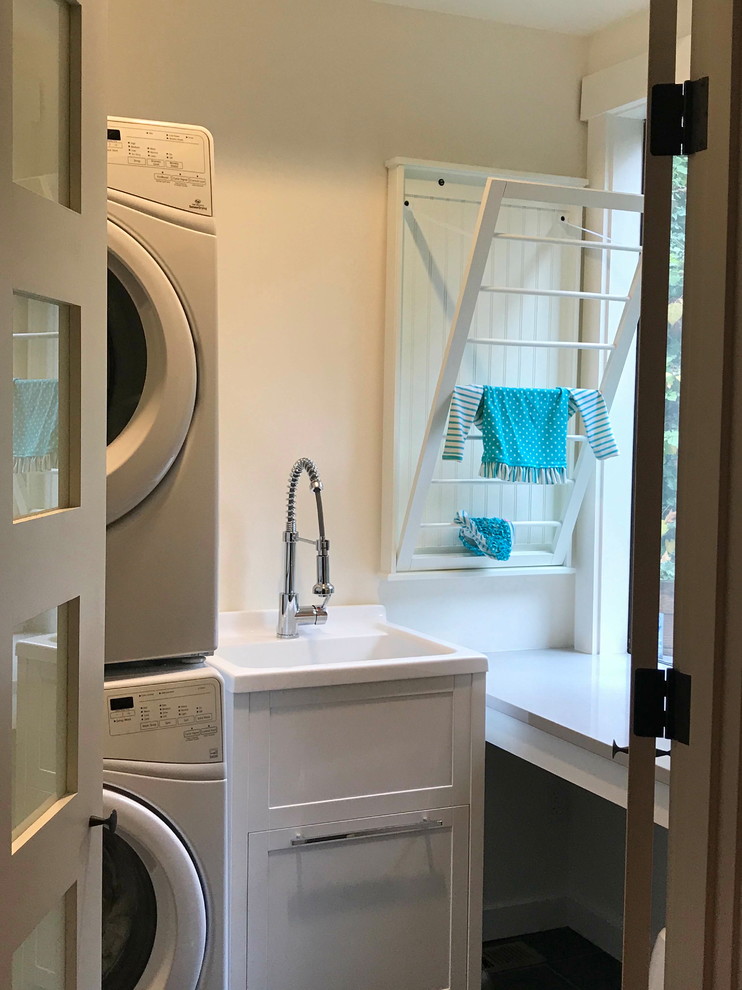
(662, 704)
(678, 117)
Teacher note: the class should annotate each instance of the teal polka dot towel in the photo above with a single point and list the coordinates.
(525, 429)
(524, 433)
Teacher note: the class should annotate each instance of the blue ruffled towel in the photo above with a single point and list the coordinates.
(485, 537)
(35, 424)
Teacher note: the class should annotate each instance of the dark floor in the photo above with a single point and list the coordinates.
(558, 959)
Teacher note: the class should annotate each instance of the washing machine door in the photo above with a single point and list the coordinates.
(154, 911)
(151, 373)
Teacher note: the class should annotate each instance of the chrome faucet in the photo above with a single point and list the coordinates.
(290, 613)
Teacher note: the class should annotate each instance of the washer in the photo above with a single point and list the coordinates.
(161, 458)
(164, 867)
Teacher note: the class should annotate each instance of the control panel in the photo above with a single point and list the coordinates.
(165, 721)
(166, 163)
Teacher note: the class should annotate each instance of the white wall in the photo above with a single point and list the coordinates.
(618, 42)
(490, 614)
(629, 38)
(306, 100)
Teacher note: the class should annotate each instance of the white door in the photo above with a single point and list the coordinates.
(647, 507)
(705, 868)
(704, 851)
(52, 489)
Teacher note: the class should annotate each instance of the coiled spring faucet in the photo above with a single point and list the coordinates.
(290, 614)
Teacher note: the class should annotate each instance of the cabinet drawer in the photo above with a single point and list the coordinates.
(372, 904)
(362, 749)
(343, 752)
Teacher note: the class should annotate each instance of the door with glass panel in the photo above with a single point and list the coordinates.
(52, 490)
(687, 533)
(704, 862)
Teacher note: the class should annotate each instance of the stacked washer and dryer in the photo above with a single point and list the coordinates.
(164, 866)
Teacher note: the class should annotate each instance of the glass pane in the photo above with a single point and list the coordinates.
(672, 409)
(41, 97)
(40, 390)
(40, 963)
(129, 918)
(40, 716)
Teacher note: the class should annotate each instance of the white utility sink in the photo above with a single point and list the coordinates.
(355, 645)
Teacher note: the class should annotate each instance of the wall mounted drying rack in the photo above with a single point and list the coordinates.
(409, 555)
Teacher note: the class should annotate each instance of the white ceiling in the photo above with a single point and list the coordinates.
(568, 16)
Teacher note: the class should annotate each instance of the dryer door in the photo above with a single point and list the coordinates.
(151, 373)
(154, 911)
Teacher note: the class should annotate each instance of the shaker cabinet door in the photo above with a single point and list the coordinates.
(373, 904)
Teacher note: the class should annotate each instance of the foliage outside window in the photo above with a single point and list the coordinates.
(672, 397)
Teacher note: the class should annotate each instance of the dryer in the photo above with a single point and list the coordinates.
(164, 867)
(161, 458)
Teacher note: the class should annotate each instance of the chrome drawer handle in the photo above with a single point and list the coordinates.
(424, 826)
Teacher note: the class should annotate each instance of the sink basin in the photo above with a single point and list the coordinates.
(382, 644)
(356, 645)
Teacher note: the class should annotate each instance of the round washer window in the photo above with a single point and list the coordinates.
(154, 908)
(129, 915)
(127, 357)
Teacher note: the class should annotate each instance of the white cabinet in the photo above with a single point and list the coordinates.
(355, 824)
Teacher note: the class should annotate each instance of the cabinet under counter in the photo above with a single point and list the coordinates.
(355, 822)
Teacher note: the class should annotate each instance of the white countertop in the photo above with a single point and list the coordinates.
(573, 703)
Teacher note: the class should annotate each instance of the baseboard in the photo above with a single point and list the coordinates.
(540, 914)
(606, 933)
(520, 917)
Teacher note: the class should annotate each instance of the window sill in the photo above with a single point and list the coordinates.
(479, 572)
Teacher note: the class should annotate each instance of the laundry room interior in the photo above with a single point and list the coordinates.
(354, 143)
(306, 102)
